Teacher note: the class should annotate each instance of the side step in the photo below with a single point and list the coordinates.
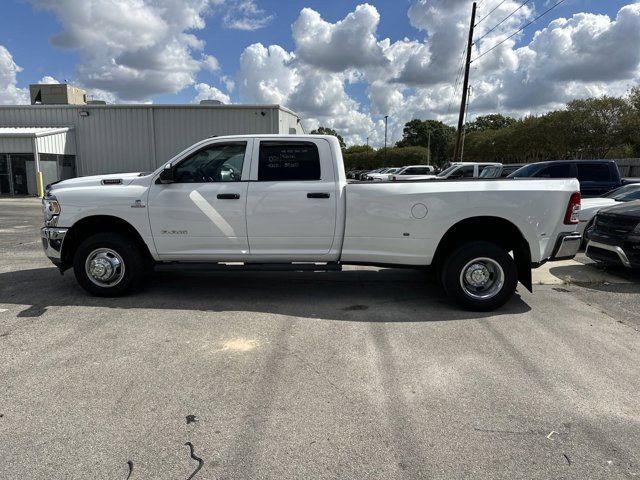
(249, 267)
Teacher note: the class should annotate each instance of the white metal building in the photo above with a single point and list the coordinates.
(24, 151)
(122, 138)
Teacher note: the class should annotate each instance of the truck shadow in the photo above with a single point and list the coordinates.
(385, 295)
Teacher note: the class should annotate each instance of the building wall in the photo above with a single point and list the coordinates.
(57, 143)
(289, 123)
(126, 138)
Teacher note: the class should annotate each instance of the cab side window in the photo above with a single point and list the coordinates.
(288, 161)
(593, 172)
(220, 162)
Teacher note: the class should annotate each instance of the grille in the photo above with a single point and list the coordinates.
(614, 224)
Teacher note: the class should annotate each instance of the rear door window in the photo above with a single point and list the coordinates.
(288, 161)
(594, 172)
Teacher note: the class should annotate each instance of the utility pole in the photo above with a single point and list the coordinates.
(429, 147)
(385, 138)
(465, 86)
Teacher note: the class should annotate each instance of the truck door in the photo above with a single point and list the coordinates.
(201, 215)
(292, 200)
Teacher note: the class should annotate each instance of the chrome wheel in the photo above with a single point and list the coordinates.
(482, 278)
(104, 267)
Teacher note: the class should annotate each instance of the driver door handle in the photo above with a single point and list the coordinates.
(318, 195)
(228, 196)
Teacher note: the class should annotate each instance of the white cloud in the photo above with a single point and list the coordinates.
(348, 43)
(134, 49)
(9, 92)
(245, 15)
(208, 92)
(47, 79)
(265, 74)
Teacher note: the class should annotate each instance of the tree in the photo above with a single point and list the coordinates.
(416, 133)
(493, 121)
(329, 131)
(599, 124)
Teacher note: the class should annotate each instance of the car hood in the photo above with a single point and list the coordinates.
(96, 180)
(590, 206)
(628, 209)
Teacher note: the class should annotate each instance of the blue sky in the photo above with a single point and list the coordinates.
(28, 28)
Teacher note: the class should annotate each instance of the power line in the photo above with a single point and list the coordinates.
(503, 20)
(493, 10)
(458, 76)
(519, 30)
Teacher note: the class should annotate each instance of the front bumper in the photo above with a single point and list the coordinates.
(52, 238)
(566, 246)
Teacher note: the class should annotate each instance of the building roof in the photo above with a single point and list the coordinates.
(237, 106)
(32, 131)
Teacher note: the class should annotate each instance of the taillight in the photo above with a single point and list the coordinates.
(573, 209)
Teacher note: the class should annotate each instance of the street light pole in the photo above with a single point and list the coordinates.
(385, 138)
(429, 147)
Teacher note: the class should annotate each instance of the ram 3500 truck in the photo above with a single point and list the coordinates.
(275, 199)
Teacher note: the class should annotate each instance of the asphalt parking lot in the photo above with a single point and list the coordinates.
(366, 373)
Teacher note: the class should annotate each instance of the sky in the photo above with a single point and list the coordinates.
(338, 63)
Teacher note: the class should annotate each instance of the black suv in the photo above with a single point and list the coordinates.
(596, 177)
(614, 238)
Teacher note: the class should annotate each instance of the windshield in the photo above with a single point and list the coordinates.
(526, 171)
(447, 171)
(621, 192)
(490, 172)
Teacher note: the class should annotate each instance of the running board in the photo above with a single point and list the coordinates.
(249, 267)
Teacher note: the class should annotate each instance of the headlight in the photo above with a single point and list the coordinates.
(50, 208)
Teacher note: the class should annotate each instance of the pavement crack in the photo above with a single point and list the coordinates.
(315, 370)
(130, 465)
(566, 457)
(196, 458)
(508, 432)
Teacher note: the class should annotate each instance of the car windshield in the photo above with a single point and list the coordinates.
(621, 192)
(526, 171)
(447, 171)
(490, 172)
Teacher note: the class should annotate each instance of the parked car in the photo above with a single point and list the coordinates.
(382, 175)
(411, 172)
(284, 199)
(614, 238)
(501, 171)
(596, 177)
(591, 206)
(456, 170)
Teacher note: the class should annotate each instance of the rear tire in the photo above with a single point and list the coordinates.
(108, 265)
(480, 276)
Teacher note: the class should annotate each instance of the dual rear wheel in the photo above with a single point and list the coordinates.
(480, 276)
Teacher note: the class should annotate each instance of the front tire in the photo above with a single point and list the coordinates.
(108, 265)
(480, 276)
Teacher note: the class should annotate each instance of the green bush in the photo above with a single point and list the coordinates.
(394, 157)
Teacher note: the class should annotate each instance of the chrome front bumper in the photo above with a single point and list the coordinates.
(567, 246)
(52, 238)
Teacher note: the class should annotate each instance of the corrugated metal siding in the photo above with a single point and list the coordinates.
(289, 121)
(16, 145)
(178, 128)
(58, 143)
(116, 138)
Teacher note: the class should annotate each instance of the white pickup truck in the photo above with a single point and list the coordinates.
(276, 199)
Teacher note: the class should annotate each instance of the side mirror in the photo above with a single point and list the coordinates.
(166, 176)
